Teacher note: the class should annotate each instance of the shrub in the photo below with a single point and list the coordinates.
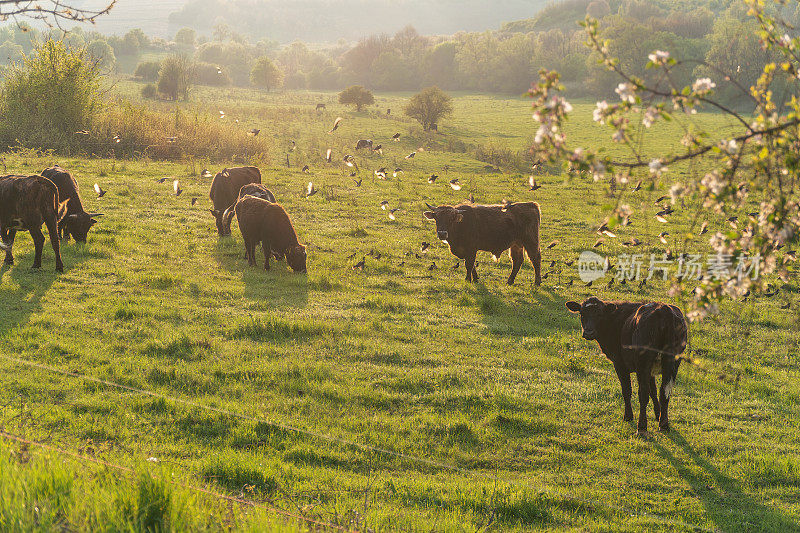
(102, 52)
(209, 74)
(429, 106)
(148, 70)
(53, 93)
(174, 77)
(149, 91)
(357, 96)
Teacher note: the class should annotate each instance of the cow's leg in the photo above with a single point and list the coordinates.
(625, 381)
(535, 255)
(469, 263)
(38, 244)
(643, 379)
(517, 258)
(249, 252)
(52, 231)
(265, 247)
(654, 397)
(669, 371)
(8, 238)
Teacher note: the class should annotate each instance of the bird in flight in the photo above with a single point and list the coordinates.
(254, 132)
(336, 124)
(100, 192)
(455, 184)
(532, 184)
(176, 186)
(310, 190)
(411, 155)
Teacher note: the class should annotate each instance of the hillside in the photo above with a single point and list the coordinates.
(329, 21)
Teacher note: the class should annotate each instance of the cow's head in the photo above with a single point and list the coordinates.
(79, 224)
(219, 217)
(446, 217)
(296, 258)
(593, 313)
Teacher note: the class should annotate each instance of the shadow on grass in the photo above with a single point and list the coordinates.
(280, 286)
(540, 314)
(22, 288)
(727, 505)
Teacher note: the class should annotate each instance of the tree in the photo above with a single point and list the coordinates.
(356, 95)
(265, 74)
(186, 37)
(10, 52)
(102, 52)
(429, 106)
(746, 177)
(174, 78)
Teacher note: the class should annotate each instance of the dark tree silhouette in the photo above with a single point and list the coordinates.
(52, 12)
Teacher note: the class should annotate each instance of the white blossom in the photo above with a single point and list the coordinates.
(626, 92)
(600, 111)
(676, 191)
(659, 57)
(650, 116)
(657, 167)
(703, 85)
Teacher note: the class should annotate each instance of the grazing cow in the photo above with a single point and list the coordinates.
(77, 221)
(267, 223)
(321, 106)
(27, 202)
(225, 190)
(468, 228)
(251, 189)
(364, 144)
(645, 338)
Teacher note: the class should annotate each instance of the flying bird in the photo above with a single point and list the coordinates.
(358, 182)
(221, 114)
(704, 228)
(397, 171)
(411, 155)
(663, 237)
(456, 186)
(349, 160)
(194, 200)
(455, 267)
(100, 192)
(253, 132)
(176, 186)
(361, 264)
(396, 137)
(172, 140)
(638, 186)
(310, 190)
(82, 132)
(336, 124)
(381, 173)
(432, 178)
(162, 180)
(378, 149)
(532, 183)
(392, 212)
(384, 204)
(598, 243)
(206, 173)
(117, 139)
(328, 155)
(432, 267)
(424, 247)
(661, 199)
(306, 169)
(553, 244)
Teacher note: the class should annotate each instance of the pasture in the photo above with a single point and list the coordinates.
(493, 380)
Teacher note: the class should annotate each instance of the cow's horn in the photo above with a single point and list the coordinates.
(92, 215)
(430, 206)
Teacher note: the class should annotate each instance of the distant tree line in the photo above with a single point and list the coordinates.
(718, 33)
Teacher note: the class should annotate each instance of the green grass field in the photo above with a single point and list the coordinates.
(491, 379)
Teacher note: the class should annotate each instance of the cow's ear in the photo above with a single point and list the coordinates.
(430, 215)
(574, 307)
(610, 307)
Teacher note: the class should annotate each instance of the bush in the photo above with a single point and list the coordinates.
(102, 52)
(357, 96)
(148, 70)
(53, 93)
(265, 74)
(149, 91)
(429, 106)
(174, 77)
(208, 74)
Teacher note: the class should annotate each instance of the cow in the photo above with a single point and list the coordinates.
(27, 202)
(321, 107)
(251, 189)
(225, 190)
(267, 223)
(363, 144)
(77, 221)
(468, 228)
(641, 338)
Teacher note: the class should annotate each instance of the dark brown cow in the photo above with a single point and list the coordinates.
(225, 190)
(645, 338)
(267, 223)
(251, 189)
(468, 228)
(77, 222)
(27, 202)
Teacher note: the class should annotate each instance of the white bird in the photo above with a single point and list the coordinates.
(455, 184)
(176, 186)
(310, 190)
(100, 192)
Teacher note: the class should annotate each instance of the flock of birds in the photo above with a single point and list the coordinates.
(662, 216)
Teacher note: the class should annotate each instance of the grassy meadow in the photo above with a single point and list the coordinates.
(402, 355)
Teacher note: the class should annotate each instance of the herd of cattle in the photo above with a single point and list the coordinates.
(641, 338)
